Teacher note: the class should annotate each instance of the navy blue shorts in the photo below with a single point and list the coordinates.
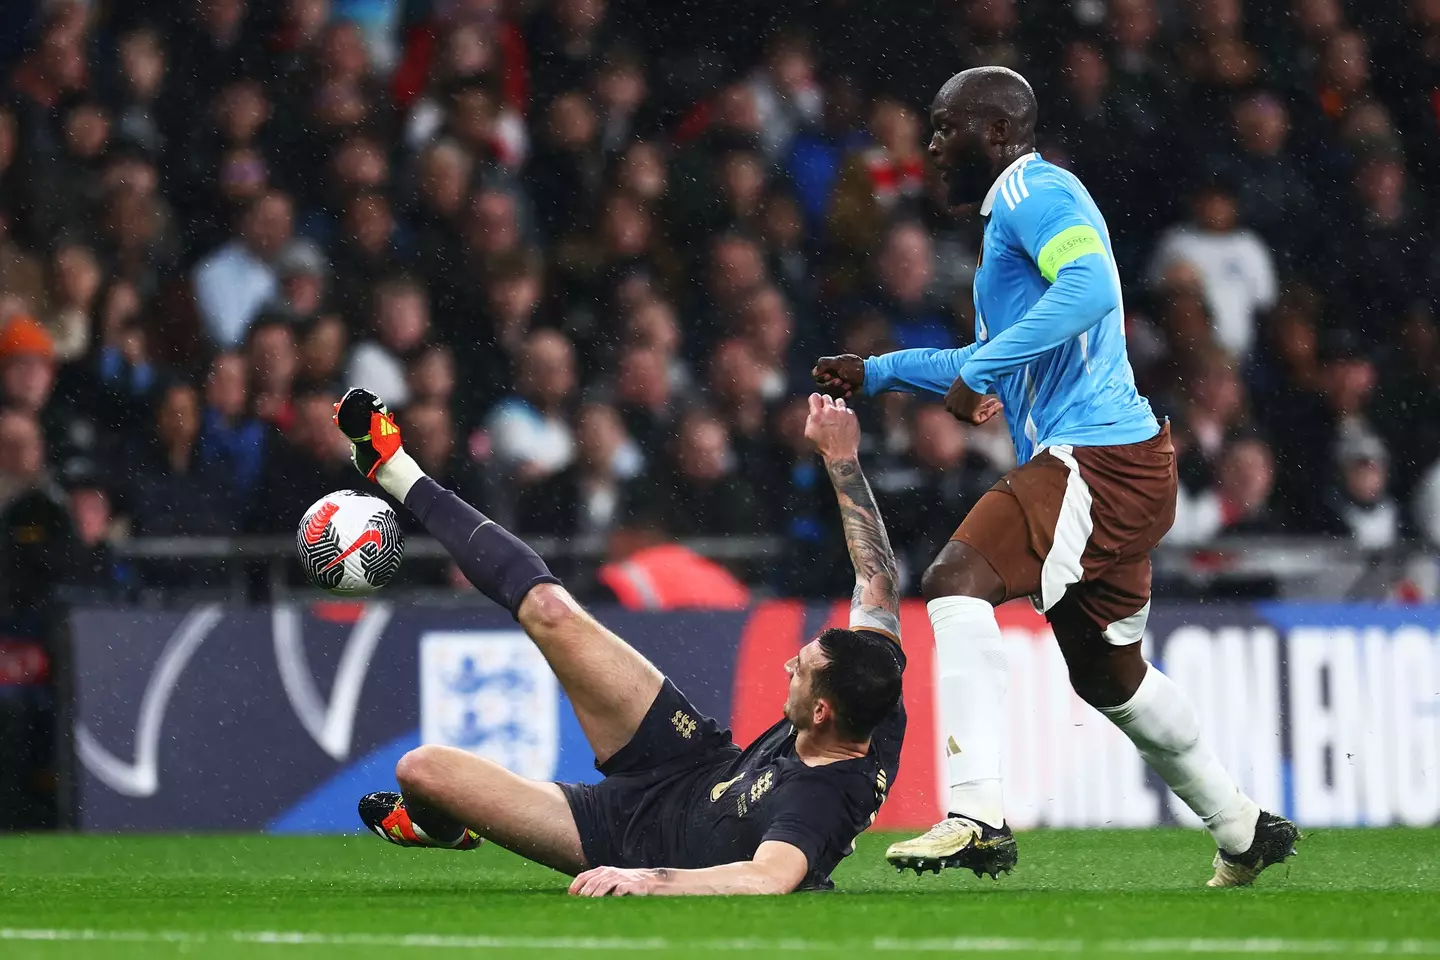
(635, 817)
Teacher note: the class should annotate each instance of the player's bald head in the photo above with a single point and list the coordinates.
(991, 93)
(984, 119)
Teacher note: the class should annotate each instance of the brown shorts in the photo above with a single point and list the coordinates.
(1082, 520)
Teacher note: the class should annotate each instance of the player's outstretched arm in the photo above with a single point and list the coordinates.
(1080, 296)
(778, 867)
(904, 371)
(835, 432)
(1069, 250)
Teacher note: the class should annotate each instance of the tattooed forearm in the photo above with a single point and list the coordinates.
(876, 602)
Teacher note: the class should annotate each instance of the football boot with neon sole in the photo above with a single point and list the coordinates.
(1275, 839)
(370, 427)
(385, 815)
(958, 843)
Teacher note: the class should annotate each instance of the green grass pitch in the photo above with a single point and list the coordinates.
(1090, 894)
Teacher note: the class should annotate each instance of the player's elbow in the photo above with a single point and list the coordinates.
(777, 868)
(766, 881)
(1107, 299)
(1096, 292)
(776, 887)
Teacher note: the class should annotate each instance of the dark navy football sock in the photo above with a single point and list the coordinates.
(496, 561)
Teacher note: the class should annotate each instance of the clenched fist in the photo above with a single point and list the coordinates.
(967, 406)
(839, 377)
(832, 428)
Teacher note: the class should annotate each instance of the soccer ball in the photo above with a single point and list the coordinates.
(349, 543)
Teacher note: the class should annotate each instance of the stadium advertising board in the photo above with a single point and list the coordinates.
(279, 718)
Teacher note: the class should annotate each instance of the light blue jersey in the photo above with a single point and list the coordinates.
(1049, 324)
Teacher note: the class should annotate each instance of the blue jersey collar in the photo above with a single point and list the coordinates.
(1015, 164)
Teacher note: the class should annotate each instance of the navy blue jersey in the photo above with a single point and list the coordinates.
(768, 793)
(682, 794)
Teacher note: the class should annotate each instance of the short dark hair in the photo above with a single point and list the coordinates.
(860, 678)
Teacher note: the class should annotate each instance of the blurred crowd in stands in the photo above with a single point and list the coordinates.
(589, 250)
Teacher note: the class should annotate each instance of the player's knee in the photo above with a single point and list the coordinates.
(421, 769)
(1103, 675)
(939, 580)
(1094, 689)
(961, 572)
(548, 608)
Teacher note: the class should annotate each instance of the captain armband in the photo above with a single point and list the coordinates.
(1068, 246)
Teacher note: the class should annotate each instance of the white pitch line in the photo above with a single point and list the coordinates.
(973, 945)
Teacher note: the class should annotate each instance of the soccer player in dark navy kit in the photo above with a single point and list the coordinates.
(682, 809)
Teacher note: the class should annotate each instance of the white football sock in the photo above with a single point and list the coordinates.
(398, 474)
(1163, 725)
(973, 683)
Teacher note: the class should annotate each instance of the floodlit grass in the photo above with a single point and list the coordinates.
(1084, 893)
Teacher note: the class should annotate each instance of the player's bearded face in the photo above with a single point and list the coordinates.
(800, 699)
(800, 711)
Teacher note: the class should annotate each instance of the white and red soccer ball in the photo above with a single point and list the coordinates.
(349, 543)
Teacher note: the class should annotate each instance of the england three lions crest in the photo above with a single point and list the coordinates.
(491, 693)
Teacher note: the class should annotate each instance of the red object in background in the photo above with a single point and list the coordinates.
(771, 637)
(338, 611)
(1408, 592)
(23, 663)
(412, 75)
(775, 633)
(670, 576)
(695, 123)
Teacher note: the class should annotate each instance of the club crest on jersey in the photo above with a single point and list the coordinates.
(684, 724)
(761, 785)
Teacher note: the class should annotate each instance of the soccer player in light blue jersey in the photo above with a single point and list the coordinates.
(1073, 525)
